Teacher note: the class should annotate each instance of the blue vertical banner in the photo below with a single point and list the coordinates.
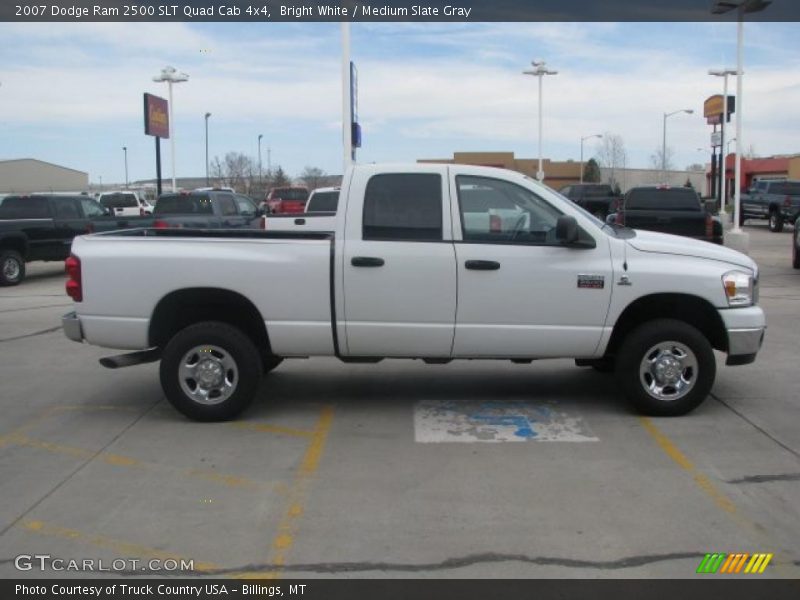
(355, 128)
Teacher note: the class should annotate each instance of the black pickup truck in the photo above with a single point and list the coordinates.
(597, 198)
(42, 226)
(675, 210)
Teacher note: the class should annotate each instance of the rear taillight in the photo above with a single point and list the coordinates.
(709, 226)
(74, 283)
(159, 224)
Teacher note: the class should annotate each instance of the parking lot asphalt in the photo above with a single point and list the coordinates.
(398, 469)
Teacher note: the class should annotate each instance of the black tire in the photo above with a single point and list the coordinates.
(638, 345)
(12, 268)
(796, 245)
(775, 221)
(742, 218)
(239, 363)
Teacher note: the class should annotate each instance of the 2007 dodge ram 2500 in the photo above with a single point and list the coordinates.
(436, 262)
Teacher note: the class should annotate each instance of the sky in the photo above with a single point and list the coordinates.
(71, 93)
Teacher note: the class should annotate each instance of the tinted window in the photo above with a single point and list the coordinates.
(787, 188)
(65, 208)
(662, 199)
(596, 191)
(91, 208)
(323, 202)
(291, 194)
(403, 207)
(227, 207)
(494, 211)
(19, 207)
(194, 204)
(246, 206)
(119, 200)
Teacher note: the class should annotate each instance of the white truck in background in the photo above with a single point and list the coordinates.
(319, 215)
(436, 262)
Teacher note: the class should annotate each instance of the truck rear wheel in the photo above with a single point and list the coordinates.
(12, 267)
(796, 245)
(210, 371)
(775, 221)
(666, 367)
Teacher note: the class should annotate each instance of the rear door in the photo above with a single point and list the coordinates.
(399, 272)
(520, 293)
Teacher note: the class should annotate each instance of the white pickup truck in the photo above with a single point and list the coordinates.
(436, 262)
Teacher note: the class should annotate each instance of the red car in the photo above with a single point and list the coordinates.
(287, 200)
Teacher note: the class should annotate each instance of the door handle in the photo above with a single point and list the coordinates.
(366, 261)
(482, 265)
(299, 221)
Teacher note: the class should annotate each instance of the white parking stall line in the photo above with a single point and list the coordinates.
(439, 421)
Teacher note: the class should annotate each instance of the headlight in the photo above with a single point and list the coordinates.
(738, 287)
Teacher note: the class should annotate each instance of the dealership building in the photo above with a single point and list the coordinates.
(27, 175)
(558, 174)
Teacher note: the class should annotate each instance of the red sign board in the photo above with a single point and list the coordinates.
(156, 116)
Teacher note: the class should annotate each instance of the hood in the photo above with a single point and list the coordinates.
(664, 243)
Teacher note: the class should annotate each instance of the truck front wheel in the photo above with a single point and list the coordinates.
(12, 267)
(666, 367)
(775, 221)
(210, 371)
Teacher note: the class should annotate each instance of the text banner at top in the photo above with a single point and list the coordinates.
(385, 11)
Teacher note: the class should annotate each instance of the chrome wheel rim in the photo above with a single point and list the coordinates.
(11, 269)
(668, 371)
(208, 374)
(773, 220)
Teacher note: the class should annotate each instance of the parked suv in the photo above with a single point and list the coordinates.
(125, 203)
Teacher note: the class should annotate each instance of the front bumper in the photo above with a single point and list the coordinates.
(746, 328)
(71, 324)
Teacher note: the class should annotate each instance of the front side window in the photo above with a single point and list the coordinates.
(247, 207)
(403, 206)
(91, 208)
(227, 206)
(498, 211)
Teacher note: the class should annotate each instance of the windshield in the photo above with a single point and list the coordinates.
(194, 204)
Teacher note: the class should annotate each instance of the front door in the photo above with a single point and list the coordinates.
(521, 293)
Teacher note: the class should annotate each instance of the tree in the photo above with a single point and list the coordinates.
(235, 170)
(688, 183)
(659, 163)
(279, 178)
(312, 177)
(611, 154)
(591, 171)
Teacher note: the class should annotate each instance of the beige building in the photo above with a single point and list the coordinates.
(557, 174)
(26, 175)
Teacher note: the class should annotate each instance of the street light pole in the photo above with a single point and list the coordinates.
(125, 152)
(583, 139)
(722, 192)
(170, 75)
(208, 114)
(688, 111)
(540, 71)
(260, 179)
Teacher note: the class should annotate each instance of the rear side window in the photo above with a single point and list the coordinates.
(786, 188)
(19, 207)
(323, 202)
(65, 208)
(403, 207)
(662, 199)
(194, 204)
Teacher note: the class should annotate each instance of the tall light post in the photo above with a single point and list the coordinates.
(125, 152)
(539, 71)
(724, 74)
(208, 114)
(688, 111)
(743, 7)
(260, 181)
(583, 139)
(170, 75)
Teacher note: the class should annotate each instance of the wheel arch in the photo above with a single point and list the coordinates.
(16, 242)
(694, 310)
(181, 308)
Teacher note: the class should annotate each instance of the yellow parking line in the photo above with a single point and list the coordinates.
(119, 460)
(269, 428)
(702, 481)
(120, 547)
(8, 438)
(289, 524)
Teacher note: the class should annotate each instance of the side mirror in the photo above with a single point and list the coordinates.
(566, 230)
(710, 206)
(260, 212)
(108, 212)
(611, 218)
